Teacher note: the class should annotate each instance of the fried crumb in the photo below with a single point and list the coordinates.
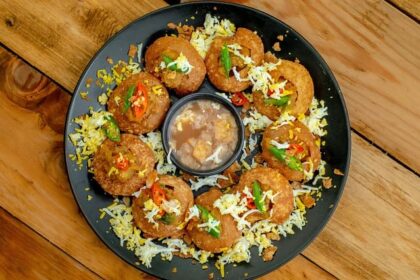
(187, 177)
(296, 185)
(204, 266)
(245, 274)
(193, 262)
(327, 183)
(338, 172)
(258, 158)
(88, 81)
(185, 31)
(171, 25)
(89, 197)
(211, 276)
(174, 270)
(297, 60)
(268, 253)
(132, 51)
(307, 200)
(273, 236)
(109, 60)
(276, 47)
(280, 38)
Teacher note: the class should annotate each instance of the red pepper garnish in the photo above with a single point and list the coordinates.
(250, 203)
(296, 148)
(158, 194)
(121, 163)
(238, 99)
(139, 108)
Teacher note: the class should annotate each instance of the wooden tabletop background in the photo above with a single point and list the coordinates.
(373, 48)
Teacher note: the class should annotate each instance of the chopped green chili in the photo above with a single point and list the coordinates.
(258, 196)
(112, 131)
(277, 102)
(291, 161)
(127, 102)
(207, 216)
(225, 59)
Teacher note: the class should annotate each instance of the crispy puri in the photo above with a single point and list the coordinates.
(157, 104)
(172, 47)
(175, 189)
(251, 45)
(294, 133)
(201, 238)
(140, 162)
(269, 179)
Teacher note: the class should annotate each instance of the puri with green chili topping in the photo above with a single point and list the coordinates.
(292, 149)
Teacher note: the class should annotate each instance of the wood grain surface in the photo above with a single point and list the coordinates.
(411, 7)
(47, 204)
(373, 50)
(26, 255)
(371, 47)
(378, 190)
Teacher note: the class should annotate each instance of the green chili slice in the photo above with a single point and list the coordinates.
(167, 219)
(206, 216)
(168, 60)
(112, 131)
(225, 59)
(277, 102)
(291, 161)
(258, 196)
(127, 102)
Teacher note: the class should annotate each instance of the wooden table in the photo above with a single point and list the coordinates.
(373, 48)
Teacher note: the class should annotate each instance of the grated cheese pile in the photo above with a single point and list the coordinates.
(206, 181)
(122, 224)
(181, 62)
(88, 136)
(154, 141)
(256, 121)
(202, 38)
(316, 121)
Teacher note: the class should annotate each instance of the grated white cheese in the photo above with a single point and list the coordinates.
(202, 38)
(256, 121)
(154, 141)
(236, 50)
(149, 250)
(316, 121)
(181, 62)
(260, 76)
(172, 206)
(215, 156)
(89, 135)
(206, 181)
(278, 145)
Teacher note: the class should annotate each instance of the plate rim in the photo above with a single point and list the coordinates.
(320, 227)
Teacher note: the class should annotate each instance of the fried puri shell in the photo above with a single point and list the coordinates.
(297, 133)
(201, 238)
(247, 40)
(175, 188)
(269, 179)
(183, 84)
(157, 104)
(104, 160)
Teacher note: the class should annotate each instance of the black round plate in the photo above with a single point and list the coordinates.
(336, 152)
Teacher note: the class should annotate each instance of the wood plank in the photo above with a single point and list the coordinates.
(374, 232)
(26, 255)
(411, 7)
(372, 49)
(35, 187)
(71, 31)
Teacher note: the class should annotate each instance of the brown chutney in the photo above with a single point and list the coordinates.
(203, 135)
